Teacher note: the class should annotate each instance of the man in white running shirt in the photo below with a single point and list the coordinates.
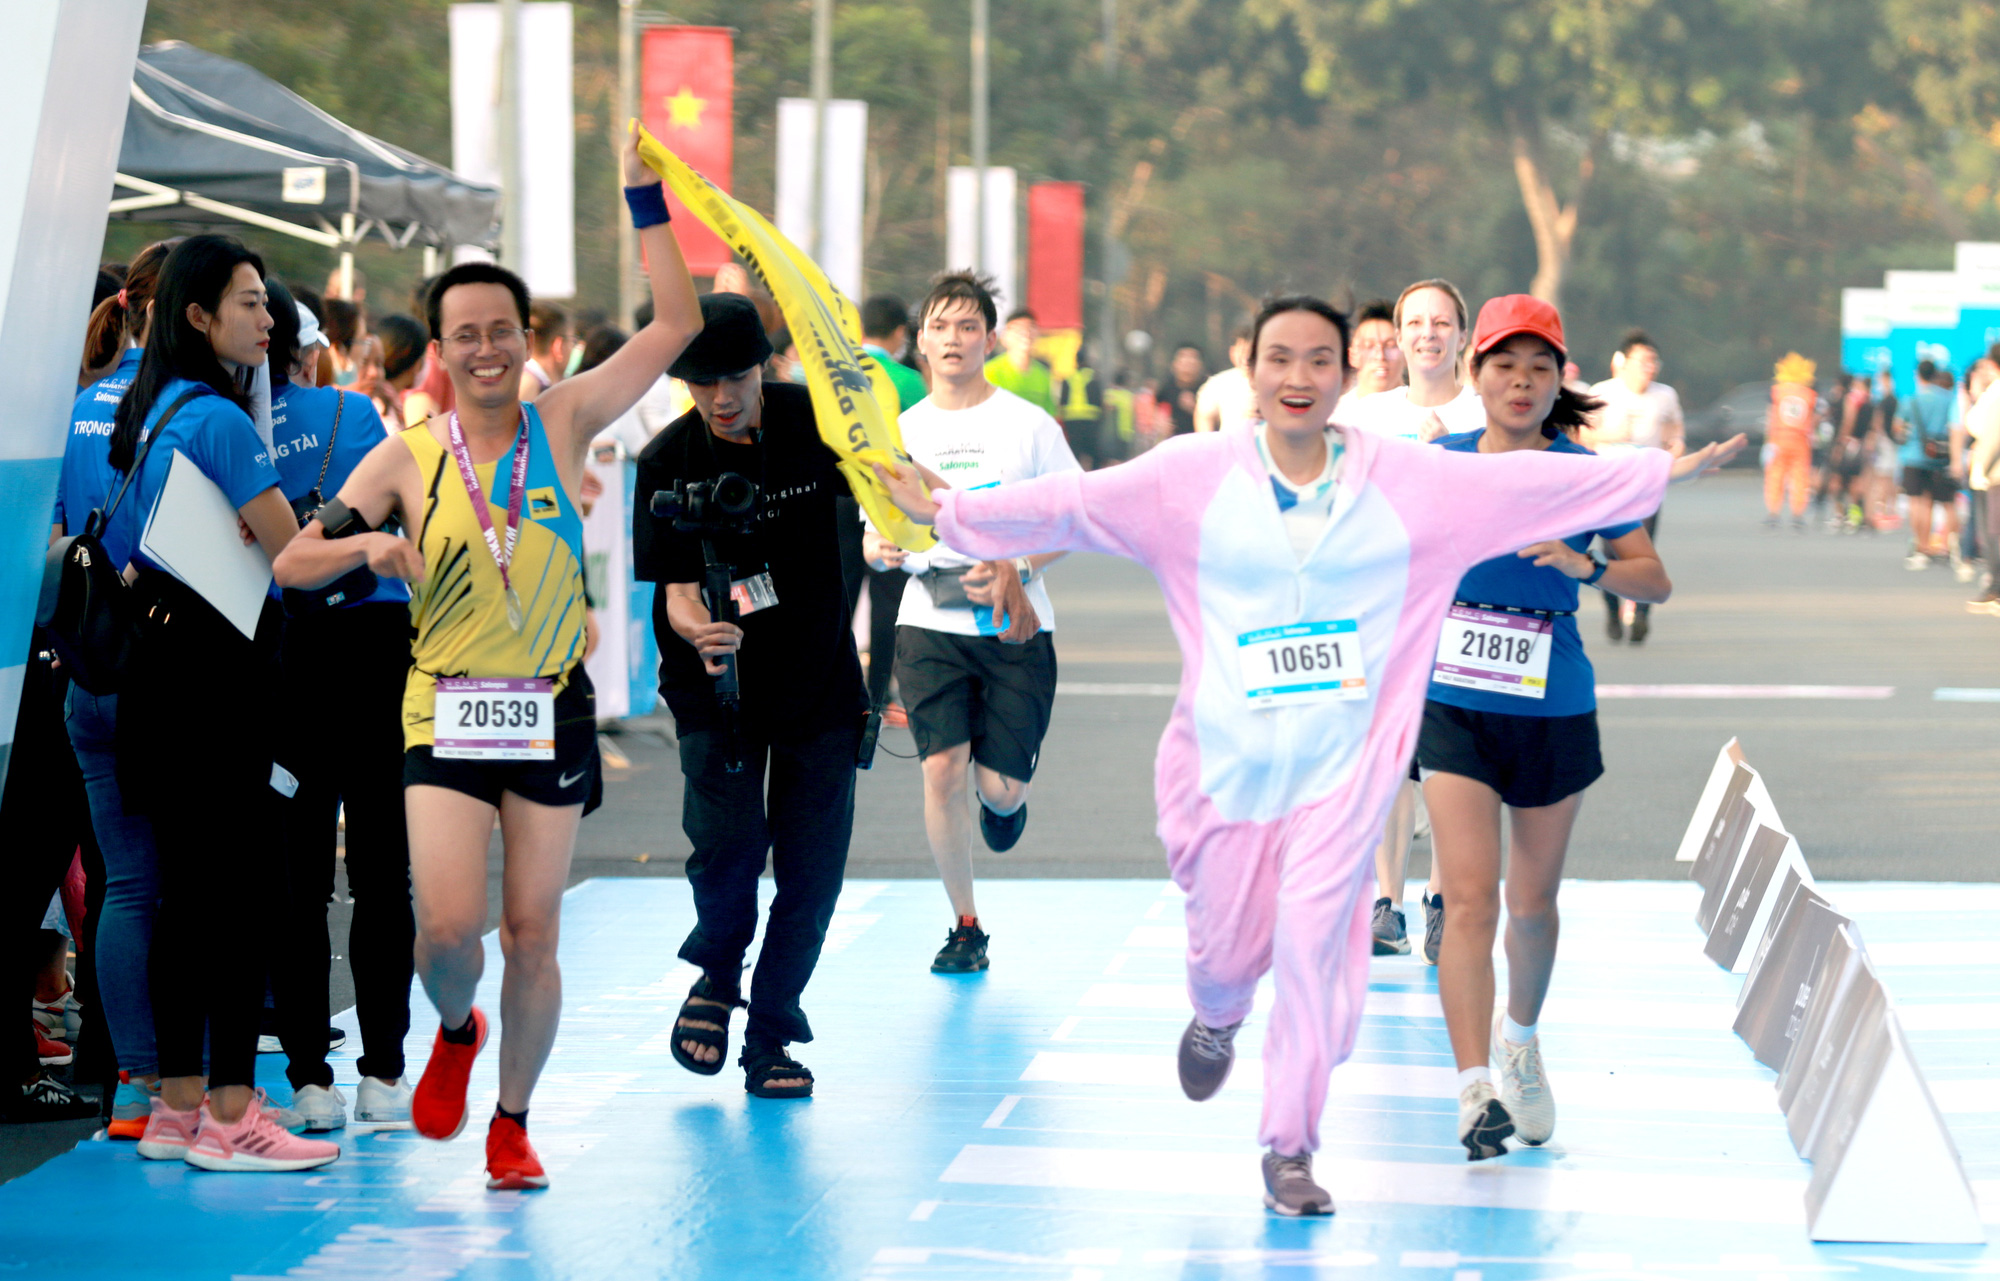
(1638, 413)
(1430, 322)
(1373, 355)
(975, 644)
(1225, 399)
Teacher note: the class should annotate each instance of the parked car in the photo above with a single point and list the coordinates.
(1742, 408)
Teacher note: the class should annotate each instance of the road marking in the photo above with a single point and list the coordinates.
(1747, 691)
(1949, 695)
(1109, 688)
(1840, 692)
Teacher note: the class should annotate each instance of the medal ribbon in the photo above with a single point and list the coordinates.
(502, 559)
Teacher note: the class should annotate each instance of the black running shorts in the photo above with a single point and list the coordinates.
(574, 777)
(978, 690)
(1935, 481)
(1531, 761)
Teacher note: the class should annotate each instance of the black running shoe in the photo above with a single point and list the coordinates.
(1002, 833)
(1641, 624)
(1392, 938)
(47, 1099)
(964, 950)
(1614, 626)
(1433, 927)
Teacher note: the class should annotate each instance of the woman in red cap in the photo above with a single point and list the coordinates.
(1511, 720)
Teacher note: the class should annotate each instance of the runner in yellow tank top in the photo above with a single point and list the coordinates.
(460, 609)
(487, 497)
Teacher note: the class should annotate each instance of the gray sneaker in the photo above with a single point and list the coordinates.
(1392, 938)
(1207, 1054)
(1433, 927)
(1289, 1188)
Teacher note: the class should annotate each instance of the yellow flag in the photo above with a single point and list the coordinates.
(848, 387)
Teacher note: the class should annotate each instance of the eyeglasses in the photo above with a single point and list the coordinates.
(471, 340)
(1375, 348)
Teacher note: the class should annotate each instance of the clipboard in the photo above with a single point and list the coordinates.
(191, 533)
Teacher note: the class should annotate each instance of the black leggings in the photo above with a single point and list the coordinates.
(195, 721)
(344, 671)
(45, 819)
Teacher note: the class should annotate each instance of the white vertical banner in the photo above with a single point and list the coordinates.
(65, 81)
(607, 535)
(845, 182)
(547, 130)
(1001, 255)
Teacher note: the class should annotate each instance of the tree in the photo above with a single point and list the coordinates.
(1551, 83)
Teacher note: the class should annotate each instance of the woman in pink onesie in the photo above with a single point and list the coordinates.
(1306, 574)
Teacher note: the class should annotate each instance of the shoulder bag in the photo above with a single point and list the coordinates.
(357, 583)
(86, 605)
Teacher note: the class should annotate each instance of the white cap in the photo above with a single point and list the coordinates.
(309, 334)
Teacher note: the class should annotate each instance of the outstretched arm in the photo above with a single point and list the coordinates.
(576, 409)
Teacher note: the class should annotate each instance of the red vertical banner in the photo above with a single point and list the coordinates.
(1055, 254)
(687, 99)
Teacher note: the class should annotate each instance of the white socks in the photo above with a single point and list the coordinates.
(1513, 1033)
(1474, 1076)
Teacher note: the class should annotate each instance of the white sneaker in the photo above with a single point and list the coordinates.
(1524, 1087)
(1916, 560)
(286, 1118)
(320, 1107)
(383, 1102)
(1482, 1122)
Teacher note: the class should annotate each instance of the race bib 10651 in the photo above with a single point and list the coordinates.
(481, 719)
(1302, 663)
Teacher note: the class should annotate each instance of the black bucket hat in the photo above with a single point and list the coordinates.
(731, 340)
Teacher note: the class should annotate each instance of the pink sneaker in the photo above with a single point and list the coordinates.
(168, 1132)
(255, 1143)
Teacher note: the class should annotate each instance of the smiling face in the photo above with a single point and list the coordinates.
(1298, 372)
(732, 407)
(240, 326)
(484, 345)
(1431, 334)
(956, 342)
(1518, 382)
(1376, 357)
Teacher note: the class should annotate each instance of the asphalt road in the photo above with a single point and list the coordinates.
(1896, 787)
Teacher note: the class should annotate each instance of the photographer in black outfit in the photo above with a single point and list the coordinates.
(798, 724)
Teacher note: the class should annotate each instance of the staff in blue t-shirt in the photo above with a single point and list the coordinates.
(1925, 456)
(198, 717)
(131, 866)
(1511, 720)
(345, 659)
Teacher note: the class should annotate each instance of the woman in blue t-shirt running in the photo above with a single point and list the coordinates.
(1511, 720)
(196, 713)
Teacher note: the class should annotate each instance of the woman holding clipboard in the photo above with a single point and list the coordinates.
(197, 717)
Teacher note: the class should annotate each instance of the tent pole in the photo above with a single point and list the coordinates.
(347, 256)
(628, 108)
(430, 261)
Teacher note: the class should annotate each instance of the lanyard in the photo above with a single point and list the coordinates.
(464, 458)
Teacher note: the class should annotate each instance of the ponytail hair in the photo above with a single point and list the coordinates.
(195, 272)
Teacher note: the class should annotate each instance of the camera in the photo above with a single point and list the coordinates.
(725, 505)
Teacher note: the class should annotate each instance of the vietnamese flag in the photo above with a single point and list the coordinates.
(687, 99)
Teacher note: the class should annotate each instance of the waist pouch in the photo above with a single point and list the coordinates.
(946, 587)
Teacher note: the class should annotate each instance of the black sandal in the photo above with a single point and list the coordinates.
(763, 1064)
(715, 1037)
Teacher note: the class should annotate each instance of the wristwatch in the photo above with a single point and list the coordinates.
(1025, 568)
(1595, 574)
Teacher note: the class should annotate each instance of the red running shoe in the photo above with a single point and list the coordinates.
(511, 1163)
(51, 1053)
(437, 1109)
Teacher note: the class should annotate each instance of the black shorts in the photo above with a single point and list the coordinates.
(574, 777)
(1849, 460)
(1935, 481)
(978, 690)
(1531, 761)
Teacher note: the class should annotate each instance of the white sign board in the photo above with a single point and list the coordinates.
(1864, 313)
(1976, 263)
(1922, 299)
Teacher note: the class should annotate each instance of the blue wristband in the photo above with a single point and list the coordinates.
(648, 205)
(1601, 567)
